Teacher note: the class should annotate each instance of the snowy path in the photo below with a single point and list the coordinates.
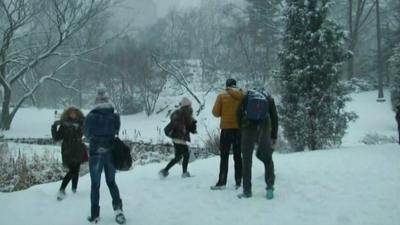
(346, 187)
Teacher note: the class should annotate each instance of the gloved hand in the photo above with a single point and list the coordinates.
(57, 123)
(193, 127)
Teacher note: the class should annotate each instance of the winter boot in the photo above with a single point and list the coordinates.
(163, 173)
(185, 175)
(119, 217)
(238, 184)
(218, 186)
(270, 193)
(61, 195)
(245, 195)
(94, 215)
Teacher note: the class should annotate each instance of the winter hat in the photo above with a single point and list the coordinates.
(230, 82)
(102, 96)
(185, 102)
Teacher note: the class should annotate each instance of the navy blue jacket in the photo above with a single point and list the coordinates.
(101, 126)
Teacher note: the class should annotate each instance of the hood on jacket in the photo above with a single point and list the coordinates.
(103, 108)
(67, 111)
(236, 93)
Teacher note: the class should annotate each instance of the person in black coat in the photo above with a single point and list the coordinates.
(398, 120)
(69, 130)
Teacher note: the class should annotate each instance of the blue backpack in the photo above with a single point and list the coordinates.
(257, 108)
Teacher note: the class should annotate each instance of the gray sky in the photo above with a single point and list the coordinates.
(145, 12)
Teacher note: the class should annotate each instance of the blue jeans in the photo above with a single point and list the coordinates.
(96, 164)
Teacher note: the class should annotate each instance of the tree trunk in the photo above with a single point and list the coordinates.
(350, 67)
(379, 59)
(6, 119)
(350, 62)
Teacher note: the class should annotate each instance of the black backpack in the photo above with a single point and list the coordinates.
(257, 107)
(121, 154)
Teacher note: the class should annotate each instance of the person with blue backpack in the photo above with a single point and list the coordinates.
(101, 126)
(258, 121)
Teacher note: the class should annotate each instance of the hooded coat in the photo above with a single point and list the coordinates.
(101, 125)
(183, 123)
(69, 131)
(226, 107)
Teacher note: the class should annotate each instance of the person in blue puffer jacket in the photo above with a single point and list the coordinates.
(101, 126)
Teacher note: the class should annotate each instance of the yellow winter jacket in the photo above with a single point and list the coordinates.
(226, 107)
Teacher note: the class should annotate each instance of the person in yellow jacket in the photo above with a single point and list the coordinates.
(226, 107)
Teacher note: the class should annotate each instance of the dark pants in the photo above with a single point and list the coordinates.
(398, 129)
(72, 174)
(98, 162)
(180, 150)
(250, 137)
(230, 137)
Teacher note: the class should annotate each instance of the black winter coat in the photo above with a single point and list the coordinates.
(72, 147)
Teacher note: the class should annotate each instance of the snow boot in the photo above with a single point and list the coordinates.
(270, 193)
(218, 186)
(238, 184)
(245, 195)
(185, 175)
(119, 217)
(94, 215)
(163, 173)
(61, 195)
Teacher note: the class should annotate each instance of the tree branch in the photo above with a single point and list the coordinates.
(69, 86)
(37, 85)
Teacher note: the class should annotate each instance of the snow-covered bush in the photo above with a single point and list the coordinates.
(211, 144)
(395, 87)
(360, 85)
(20, 172)
(378, 139)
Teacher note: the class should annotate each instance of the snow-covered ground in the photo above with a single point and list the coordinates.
(345, 187)
(356, 184)
(374, 117)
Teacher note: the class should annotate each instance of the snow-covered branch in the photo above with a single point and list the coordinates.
(38, 84)
(64, 85)
(180, 78)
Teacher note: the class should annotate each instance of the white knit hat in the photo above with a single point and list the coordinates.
(185, 102)
(102, 96)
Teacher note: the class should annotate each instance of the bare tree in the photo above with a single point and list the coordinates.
(171, 69)
(32, 33)
(359, 11)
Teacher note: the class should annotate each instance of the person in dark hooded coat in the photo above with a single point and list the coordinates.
(398, 120)
(69, 130)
